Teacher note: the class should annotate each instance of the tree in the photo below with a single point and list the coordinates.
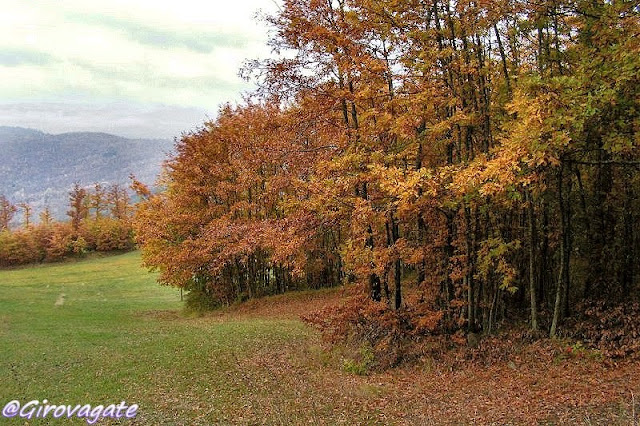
(46, 218)
(7, 211)
(27, 212)
(98, 200)
(79, 210)
(118, 199)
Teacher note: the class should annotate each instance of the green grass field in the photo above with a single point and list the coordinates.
(101, 331)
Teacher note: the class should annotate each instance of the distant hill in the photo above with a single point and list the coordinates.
(41, 168)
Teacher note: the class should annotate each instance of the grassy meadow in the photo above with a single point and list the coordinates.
(100, 331)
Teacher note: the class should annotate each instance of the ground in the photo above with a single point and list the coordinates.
(101, 331)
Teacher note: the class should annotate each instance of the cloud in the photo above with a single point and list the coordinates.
(126, 119)
(184, 55)
(16, 57)
(197, 41)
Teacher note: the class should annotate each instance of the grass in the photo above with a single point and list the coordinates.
(101, 331)
(119, 336)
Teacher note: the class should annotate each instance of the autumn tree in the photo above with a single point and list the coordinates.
(7, 211)
(97, 200)
(118, 201)
(46, 218)
(26, 214)
(51, 240)
(78, 206)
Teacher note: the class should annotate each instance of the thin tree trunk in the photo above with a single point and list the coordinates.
(628, 242)
(561, 273)
(503, 57)
(567, 251)
(532, 257)
(395, 233)
(469, 284)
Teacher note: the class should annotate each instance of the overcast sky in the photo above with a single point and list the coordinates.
(135, 68)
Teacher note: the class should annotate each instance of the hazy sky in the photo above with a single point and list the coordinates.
(137, 68)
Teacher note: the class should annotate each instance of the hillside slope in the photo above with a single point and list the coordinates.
(124, 337)
(40, 168)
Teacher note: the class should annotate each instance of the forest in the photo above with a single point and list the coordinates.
(459, 166)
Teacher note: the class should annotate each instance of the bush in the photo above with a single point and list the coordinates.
(363, 363)
(392, 336)
(19, 248)
(613, 329)
(108, 234)
(200, 301)
(60, 242)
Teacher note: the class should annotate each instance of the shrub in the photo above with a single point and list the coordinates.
(60, 243)
(18, 248)
(614, 329)
(392, 336)
(108, 234)
(364, 362)
(199, 301)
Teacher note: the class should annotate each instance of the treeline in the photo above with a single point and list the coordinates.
(99, 220)
(464, 162)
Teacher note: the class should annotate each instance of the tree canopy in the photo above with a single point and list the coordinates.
(467, 161)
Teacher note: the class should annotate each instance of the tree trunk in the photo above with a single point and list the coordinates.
(469, 284)
(395, 233)
(561, 274)
(532, 257)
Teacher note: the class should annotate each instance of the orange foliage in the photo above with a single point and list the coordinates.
(467, 152)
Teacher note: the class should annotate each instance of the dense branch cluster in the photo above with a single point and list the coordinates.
(475, 161)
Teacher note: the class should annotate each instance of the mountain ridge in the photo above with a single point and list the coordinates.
(40, 168)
